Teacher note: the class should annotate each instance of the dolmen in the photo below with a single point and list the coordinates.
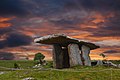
(67, 51)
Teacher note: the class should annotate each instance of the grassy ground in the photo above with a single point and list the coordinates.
(75, 73)
(22, 63)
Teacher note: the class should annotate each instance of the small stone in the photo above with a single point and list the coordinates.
(29, 78)
(2, 73)
(111, 64)
(118, 65)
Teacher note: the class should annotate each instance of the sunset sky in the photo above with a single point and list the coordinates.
(21, 21)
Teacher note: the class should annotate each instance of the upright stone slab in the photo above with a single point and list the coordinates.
(57, 56)
(85, 54)
(66, 62)
(74, 55)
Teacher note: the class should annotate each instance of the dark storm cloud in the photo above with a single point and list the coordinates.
(105, 32)
(113, 23)
(111, 51)
(65, 14)
(64, 22)
(73, 8)
(12, 8)
(94, 4)
(6, 56)
(104, 7)
(5, 30)
(79, 4)
(2, 44)
(52, 7)
(43, 8)
(15, 40)
(110, 28)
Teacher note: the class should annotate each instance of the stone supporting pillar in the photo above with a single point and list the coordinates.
(57, 56)
(74, 55)
(66, 62)
(85, 54)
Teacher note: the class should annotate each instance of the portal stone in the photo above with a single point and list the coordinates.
(66, 63)
(57, 56)
(85, 54)
(74, 55)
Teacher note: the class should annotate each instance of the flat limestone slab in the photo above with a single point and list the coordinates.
(63, 40)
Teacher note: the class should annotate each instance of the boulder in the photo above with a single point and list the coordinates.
(2, 73)
(118, 65)
(29, 78)
(109, 63)
(99, 62)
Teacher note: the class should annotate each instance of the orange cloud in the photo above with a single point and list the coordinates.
(114, 56)
(2, 19)
(99, 18)
(94, 20)
(4, 23)
(94, 54)
(79, 32)
(108, 57)
(29, 33)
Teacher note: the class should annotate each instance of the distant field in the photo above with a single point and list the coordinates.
(115, 61)
(75, 73)
(22, 63)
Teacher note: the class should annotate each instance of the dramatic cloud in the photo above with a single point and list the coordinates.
(15, 40)
(6, 56)
(5, 30)
(111, 51)
(109, 43)
(95, 21)
(12, 8)
(100, 5)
